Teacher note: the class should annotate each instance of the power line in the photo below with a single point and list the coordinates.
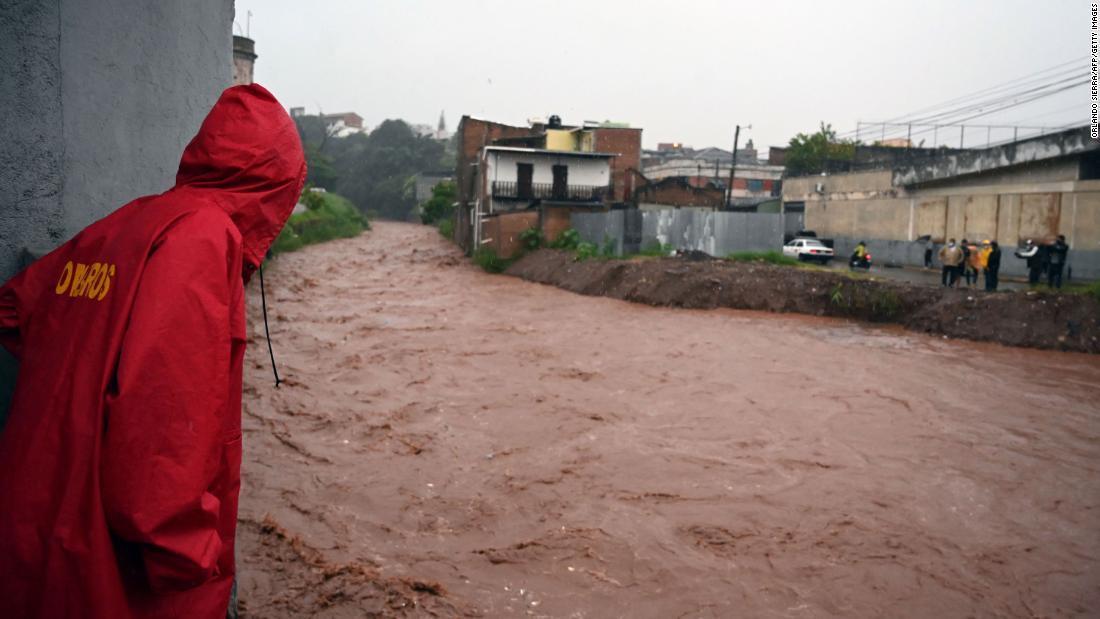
(944, 117)
(1008, 106)
(998, 100)
(1025, 84)
(1014, 83)
(958, 116)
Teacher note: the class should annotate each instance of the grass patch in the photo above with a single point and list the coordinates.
(447, 229)
(588, 251)
(1088, 290)
(769, 257)
(330, 216)
(655, 250)
(489, 261)
(1092, 290)
(883, 303)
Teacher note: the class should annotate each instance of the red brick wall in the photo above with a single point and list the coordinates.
(627, 143)
(554, 222)
(473, 134)
(680, 194)
(504, 231)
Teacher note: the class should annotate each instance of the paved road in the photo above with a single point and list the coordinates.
(455, 443)
(931, 277)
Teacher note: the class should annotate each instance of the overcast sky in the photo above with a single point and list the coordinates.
(684, 71)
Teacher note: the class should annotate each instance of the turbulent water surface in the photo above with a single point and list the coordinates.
(452, 442)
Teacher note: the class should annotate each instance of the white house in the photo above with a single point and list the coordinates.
(514, 178)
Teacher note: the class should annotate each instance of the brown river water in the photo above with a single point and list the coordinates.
(531, 452)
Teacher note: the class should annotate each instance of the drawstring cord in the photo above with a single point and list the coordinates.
(267, 332)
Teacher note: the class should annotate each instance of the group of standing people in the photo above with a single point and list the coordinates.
(965, 261)
(1048, 259)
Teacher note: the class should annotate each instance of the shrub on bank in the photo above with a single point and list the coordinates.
(488, 260)
(440, 206)
(531, 238)
(447, 229)
(568, 239)
(328, 216)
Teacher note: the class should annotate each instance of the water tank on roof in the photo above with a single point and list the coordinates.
(554, 122)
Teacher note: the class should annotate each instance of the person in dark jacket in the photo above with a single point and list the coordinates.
(1030, 252)
(964, 266)
(1056, 261)
(993, 266)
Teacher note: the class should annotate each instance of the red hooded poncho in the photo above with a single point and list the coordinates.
(120, 461)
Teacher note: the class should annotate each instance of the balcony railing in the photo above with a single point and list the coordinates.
(510, 190)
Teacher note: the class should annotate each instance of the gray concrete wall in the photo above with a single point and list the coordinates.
(596, 228)
(715, 233)
(99, 99)
(1048, 147)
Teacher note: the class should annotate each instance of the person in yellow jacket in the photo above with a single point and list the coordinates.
(983, 255)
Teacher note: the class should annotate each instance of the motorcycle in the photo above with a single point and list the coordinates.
(856, 262)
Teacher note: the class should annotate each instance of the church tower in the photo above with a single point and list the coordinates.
(441, 129)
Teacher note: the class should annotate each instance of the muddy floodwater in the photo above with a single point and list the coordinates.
(450, 442)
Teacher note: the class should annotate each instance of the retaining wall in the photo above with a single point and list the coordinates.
(715, 233)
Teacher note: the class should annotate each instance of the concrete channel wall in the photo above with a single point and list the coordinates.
(715, 233)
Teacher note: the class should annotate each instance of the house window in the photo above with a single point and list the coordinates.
(560, 190)
(524, 173)
(756, 185)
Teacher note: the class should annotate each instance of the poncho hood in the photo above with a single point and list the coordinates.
(249, 158)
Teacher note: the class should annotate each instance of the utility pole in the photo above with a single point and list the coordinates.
(733, 164)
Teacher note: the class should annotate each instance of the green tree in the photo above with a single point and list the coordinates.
(376, 174)
(321, 172)
(373, 171)
(441, 205)
(811, 153)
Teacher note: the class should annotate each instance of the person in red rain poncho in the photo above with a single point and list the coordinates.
(120, 460)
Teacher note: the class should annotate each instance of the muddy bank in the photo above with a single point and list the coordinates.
(285, 576)
(1034, 320)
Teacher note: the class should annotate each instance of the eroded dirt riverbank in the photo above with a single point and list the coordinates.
(1021, 318)
(453, 443)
